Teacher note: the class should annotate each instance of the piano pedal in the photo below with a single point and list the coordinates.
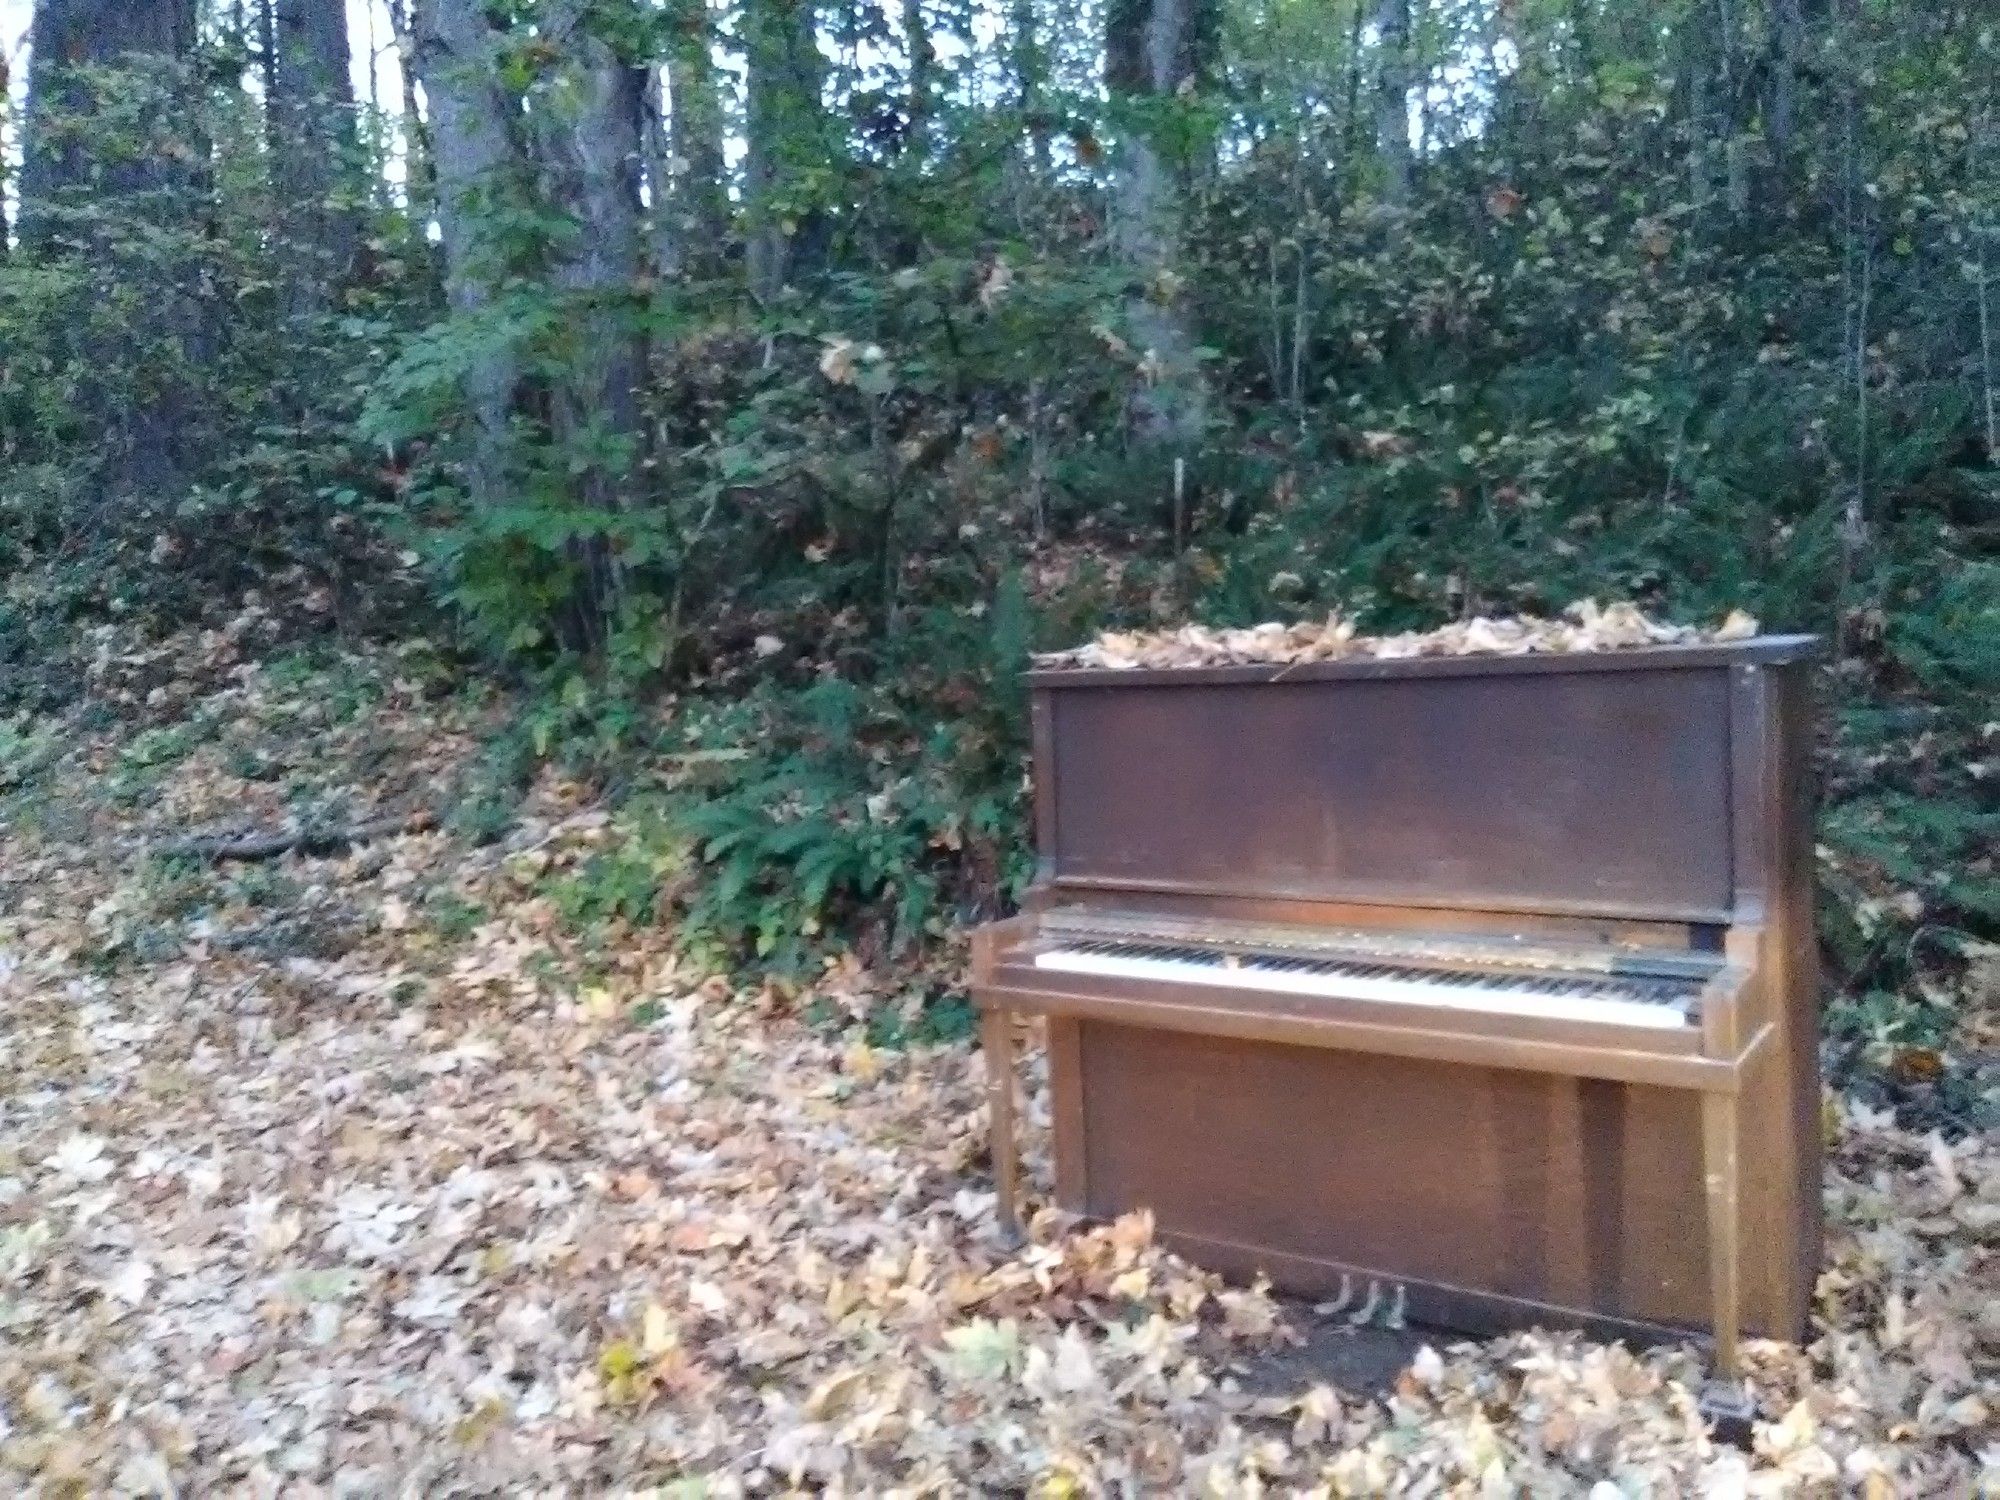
(1729, 1410)
(1362, 1316)
(1394, 1321)
(1340, 1303)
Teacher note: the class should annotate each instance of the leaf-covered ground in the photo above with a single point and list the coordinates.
(362, 1174)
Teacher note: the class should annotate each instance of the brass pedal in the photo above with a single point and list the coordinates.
(1730, 1411)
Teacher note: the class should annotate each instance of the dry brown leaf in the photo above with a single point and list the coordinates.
(1585, 626)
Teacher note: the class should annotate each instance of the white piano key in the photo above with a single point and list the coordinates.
(1559, 1000)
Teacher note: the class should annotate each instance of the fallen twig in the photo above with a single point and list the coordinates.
(218, 848)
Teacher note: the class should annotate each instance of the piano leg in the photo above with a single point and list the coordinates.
(997, 1041)
(1727, 1399)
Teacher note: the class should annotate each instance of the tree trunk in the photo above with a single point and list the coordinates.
(475, 160)
(697, 176)
(69, 35)
(1517, 94)
(267, 55)
(1156, 50)
(419, 176)
(136, 221)
(6, 237)
(1392, 98)
(1350, 135)
(785, 138)
(588, 132)
(315, 153)
(1030, 65)
(922, 78)
(664, 231)
(1788, 44)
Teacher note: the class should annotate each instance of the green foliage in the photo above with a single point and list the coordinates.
(146, 759)
(28, 746)
(791, 816)
(862, 812)
(1949, 642)
(452, 916)
(938, 1020)
(622, 883)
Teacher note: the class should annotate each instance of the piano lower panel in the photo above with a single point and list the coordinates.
(1501, 1198)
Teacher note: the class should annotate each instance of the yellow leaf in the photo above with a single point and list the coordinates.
(836, 361)
(1740, 626)
(832, 1394)
(1793, 1432)
(1131, 1284)
(618, 1361)
(656, 1331)
(476, 1423)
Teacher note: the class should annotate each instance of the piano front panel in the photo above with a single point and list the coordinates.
(1510, 1187)
(1593, 792)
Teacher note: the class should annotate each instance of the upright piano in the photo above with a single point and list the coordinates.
(1490, 979)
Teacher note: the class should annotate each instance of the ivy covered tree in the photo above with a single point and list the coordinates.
(82, 136)
(474, 137)
(113, 204)
(316, 165)
(787, 164)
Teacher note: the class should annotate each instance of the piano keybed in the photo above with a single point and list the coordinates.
(1485, 952)
(1389, 976)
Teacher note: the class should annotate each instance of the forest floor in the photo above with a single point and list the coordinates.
(355, 1170)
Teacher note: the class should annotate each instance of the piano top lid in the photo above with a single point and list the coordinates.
(1762, 650)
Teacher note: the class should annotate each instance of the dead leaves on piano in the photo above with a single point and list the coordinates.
(1584, 626)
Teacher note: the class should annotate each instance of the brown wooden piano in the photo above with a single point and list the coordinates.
(1491, 978)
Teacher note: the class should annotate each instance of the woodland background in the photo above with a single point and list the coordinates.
(728, 396)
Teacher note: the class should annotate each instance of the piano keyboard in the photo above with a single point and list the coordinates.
(1603, 999)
